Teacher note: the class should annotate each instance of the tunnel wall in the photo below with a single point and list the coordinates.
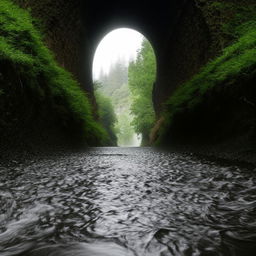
(198, 36)
(65, 34)
(61, 23)
(185, 34)
(188, 48)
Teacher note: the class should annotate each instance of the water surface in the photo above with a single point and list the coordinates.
(127, 201)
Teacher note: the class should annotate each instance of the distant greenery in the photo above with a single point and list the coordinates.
(122, 102)
(238, 61)
(115, 78)
(130, 90)
(107, 117)
(53, 92)
(115, 86)
(125, 131)
(142, 73)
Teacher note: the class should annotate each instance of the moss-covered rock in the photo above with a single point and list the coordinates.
(39, 100)
(227, 20)
(203, 29)
(218, 105)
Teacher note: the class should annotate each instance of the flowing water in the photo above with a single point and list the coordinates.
(127, 201)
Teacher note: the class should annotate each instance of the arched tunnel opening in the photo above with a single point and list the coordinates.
(124, 74)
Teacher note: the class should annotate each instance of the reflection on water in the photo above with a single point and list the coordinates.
(127, 201)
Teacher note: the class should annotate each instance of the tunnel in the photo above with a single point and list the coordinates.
(178, 31)
(66, 189)
(187, 36)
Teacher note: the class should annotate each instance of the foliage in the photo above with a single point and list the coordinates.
(107, 117)
(21, 46)
(132, 99)
(125, 132)
(121, 99)
(115, 86)
(237, 61)
(240, 15)
(141, 76)
(235, 18)
(117, 77)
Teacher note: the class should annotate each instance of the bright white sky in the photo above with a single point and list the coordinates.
(120, 43)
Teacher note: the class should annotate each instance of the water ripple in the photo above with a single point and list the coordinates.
(124, 201)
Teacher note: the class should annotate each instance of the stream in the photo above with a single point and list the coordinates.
(126, 202)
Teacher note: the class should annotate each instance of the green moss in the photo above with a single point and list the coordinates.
(237, 61)
(107, 117)
(21, 45)
(236, 19)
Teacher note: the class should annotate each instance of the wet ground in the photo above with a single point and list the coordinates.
(127, 201)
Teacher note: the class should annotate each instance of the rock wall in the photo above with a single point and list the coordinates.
(197, 37)
(188, 48)
(60, 20)
(214, 113)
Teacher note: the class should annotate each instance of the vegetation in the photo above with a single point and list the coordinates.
(107, 117)
(34, 88)
(125, 131)
(132, 98)
(228, 20)
(115, 86)
(142, 73)
(237, 63)
(116, 78)
(235, 17)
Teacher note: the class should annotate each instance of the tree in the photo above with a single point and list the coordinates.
(141, 76)
(125, 131)
(115, 86)
(117, 76)
(107, 117)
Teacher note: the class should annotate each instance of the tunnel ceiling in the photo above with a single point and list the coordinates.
(152, 18)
